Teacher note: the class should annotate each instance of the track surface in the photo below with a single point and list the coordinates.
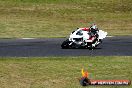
(114, 46)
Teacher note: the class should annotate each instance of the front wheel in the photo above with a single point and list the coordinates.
(65, 44)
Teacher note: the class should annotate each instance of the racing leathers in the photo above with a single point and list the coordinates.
(94, 30)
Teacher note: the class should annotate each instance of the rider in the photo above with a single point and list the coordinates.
(94, 30)
(93, 33)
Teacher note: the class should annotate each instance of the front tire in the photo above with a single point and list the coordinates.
(65, 44)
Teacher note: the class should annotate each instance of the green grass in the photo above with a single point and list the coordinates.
(57, 18)
(61, 72)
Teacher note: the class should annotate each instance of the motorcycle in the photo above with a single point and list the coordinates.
(82, 38)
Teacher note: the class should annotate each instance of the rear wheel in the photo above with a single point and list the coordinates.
(99, 42)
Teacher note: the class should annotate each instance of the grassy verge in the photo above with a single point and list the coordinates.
(61, 72)
(57, 18)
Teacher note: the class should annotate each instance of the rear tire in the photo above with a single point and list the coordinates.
(100, 41)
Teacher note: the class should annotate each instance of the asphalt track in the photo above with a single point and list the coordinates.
(111, 46)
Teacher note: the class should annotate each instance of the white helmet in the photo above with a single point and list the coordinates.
(93, 26)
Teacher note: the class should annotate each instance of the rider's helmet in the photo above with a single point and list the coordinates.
(94, 27)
